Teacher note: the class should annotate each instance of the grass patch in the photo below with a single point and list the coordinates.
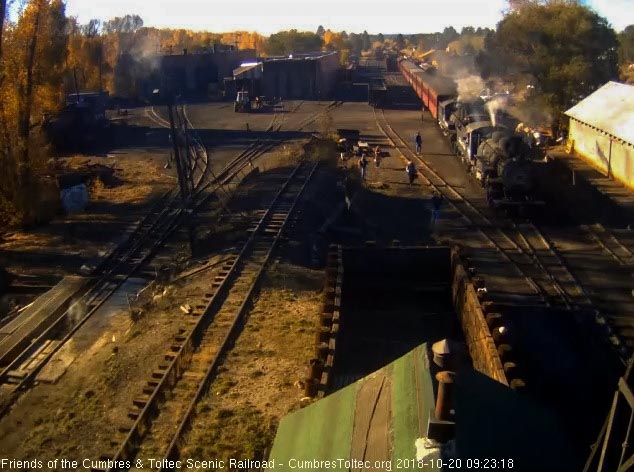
(241, 432)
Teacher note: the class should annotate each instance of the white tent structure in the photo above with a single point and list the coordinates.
(602, 130)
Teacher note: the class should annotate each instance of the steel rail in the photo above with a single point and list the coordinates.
(542, 278)
(183, 350)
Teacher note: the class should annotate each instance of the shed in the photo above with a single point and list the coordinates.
(250, 70)
(373, 424)
(602, 130)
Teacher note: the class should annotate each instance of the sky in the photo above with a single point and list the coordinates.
(270, 16)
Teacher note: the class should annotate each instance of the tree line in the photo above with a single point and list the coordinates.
(565, 48)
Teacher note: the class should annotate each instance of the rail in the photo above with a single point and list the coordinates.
(216, 325)
(538, 262)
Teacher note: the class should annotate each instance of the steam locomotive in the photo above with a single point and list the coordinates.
(500, 159)
(503, 166)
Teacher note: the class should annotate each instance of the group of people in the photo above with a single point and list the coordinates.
(412, 174)
(410, 169)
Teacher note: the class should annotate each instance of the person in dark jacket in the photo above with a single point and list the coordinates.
(363, 163)
(418, 139)
(411, 171)
(436, 203)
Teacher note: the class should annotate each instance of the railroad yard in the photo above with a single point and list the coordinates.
(173, 333)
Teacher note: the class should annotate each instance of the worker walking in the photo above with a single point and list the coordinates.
(377, 156)
(419, 143)
(363, 162)
(411, 171)
(436, 203)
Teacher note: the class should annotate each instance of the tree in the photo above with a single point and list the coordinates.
(366, 43)
(448, 35)
(626, 45)
(293, 41)
(467, 30)
(400, 41)
(355, 43)
(33, 67)
(321, 31)
(127, 24)
(333, 41)
(568, 48)
(91, 29)
(380, 38)
(3, 9)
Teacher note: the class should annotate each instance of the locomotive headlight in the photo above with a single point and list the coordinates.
(536, 135)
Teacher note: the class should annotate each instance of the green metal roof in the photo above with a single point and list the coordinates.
(379, 418)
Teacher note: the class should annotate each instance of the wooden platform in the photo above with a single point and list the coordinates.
(614, 190)
(16, 335)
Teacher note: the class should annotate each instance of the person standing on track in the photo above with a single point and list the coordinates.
(411, 171)
(419, 143)
(363, 163)
(436, 203)
(377, 156)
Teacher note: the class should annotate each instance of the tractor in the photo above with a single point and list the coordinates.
(242, 103)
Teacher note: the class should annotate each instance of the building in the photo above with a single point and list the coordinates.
(382, 423)
(200, 73)
(305, 77)
(602, 131)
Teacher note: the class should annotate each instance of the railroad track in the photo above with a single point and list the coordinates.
(19, 372)
(610, 243)
(523, 245)
(158, 419)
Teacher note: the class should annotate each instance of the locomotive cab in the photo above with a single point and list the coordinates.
(469, 138)
(445, 110)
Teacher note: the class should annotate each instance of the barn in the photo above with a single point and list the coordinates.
(602, 131)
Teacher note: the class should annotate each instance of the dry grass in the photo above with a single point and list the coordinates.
(255, 386)
(79, 415)
(288, 155)
(137, 180)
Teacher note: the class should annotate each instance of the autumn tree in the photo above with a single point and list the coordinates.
(333, 41)
(33, 65)
(400, 41)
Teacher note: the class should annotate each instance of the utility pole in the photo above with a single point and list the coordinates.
(182, 168)
(182, 182)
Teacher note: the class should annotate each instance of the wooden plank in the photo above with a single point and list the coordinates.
(39, 316)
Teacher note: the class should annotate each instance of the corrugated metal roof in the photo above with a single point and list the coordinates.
(610, 109)
(388, 409)
(379, 418)
(244, 68)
